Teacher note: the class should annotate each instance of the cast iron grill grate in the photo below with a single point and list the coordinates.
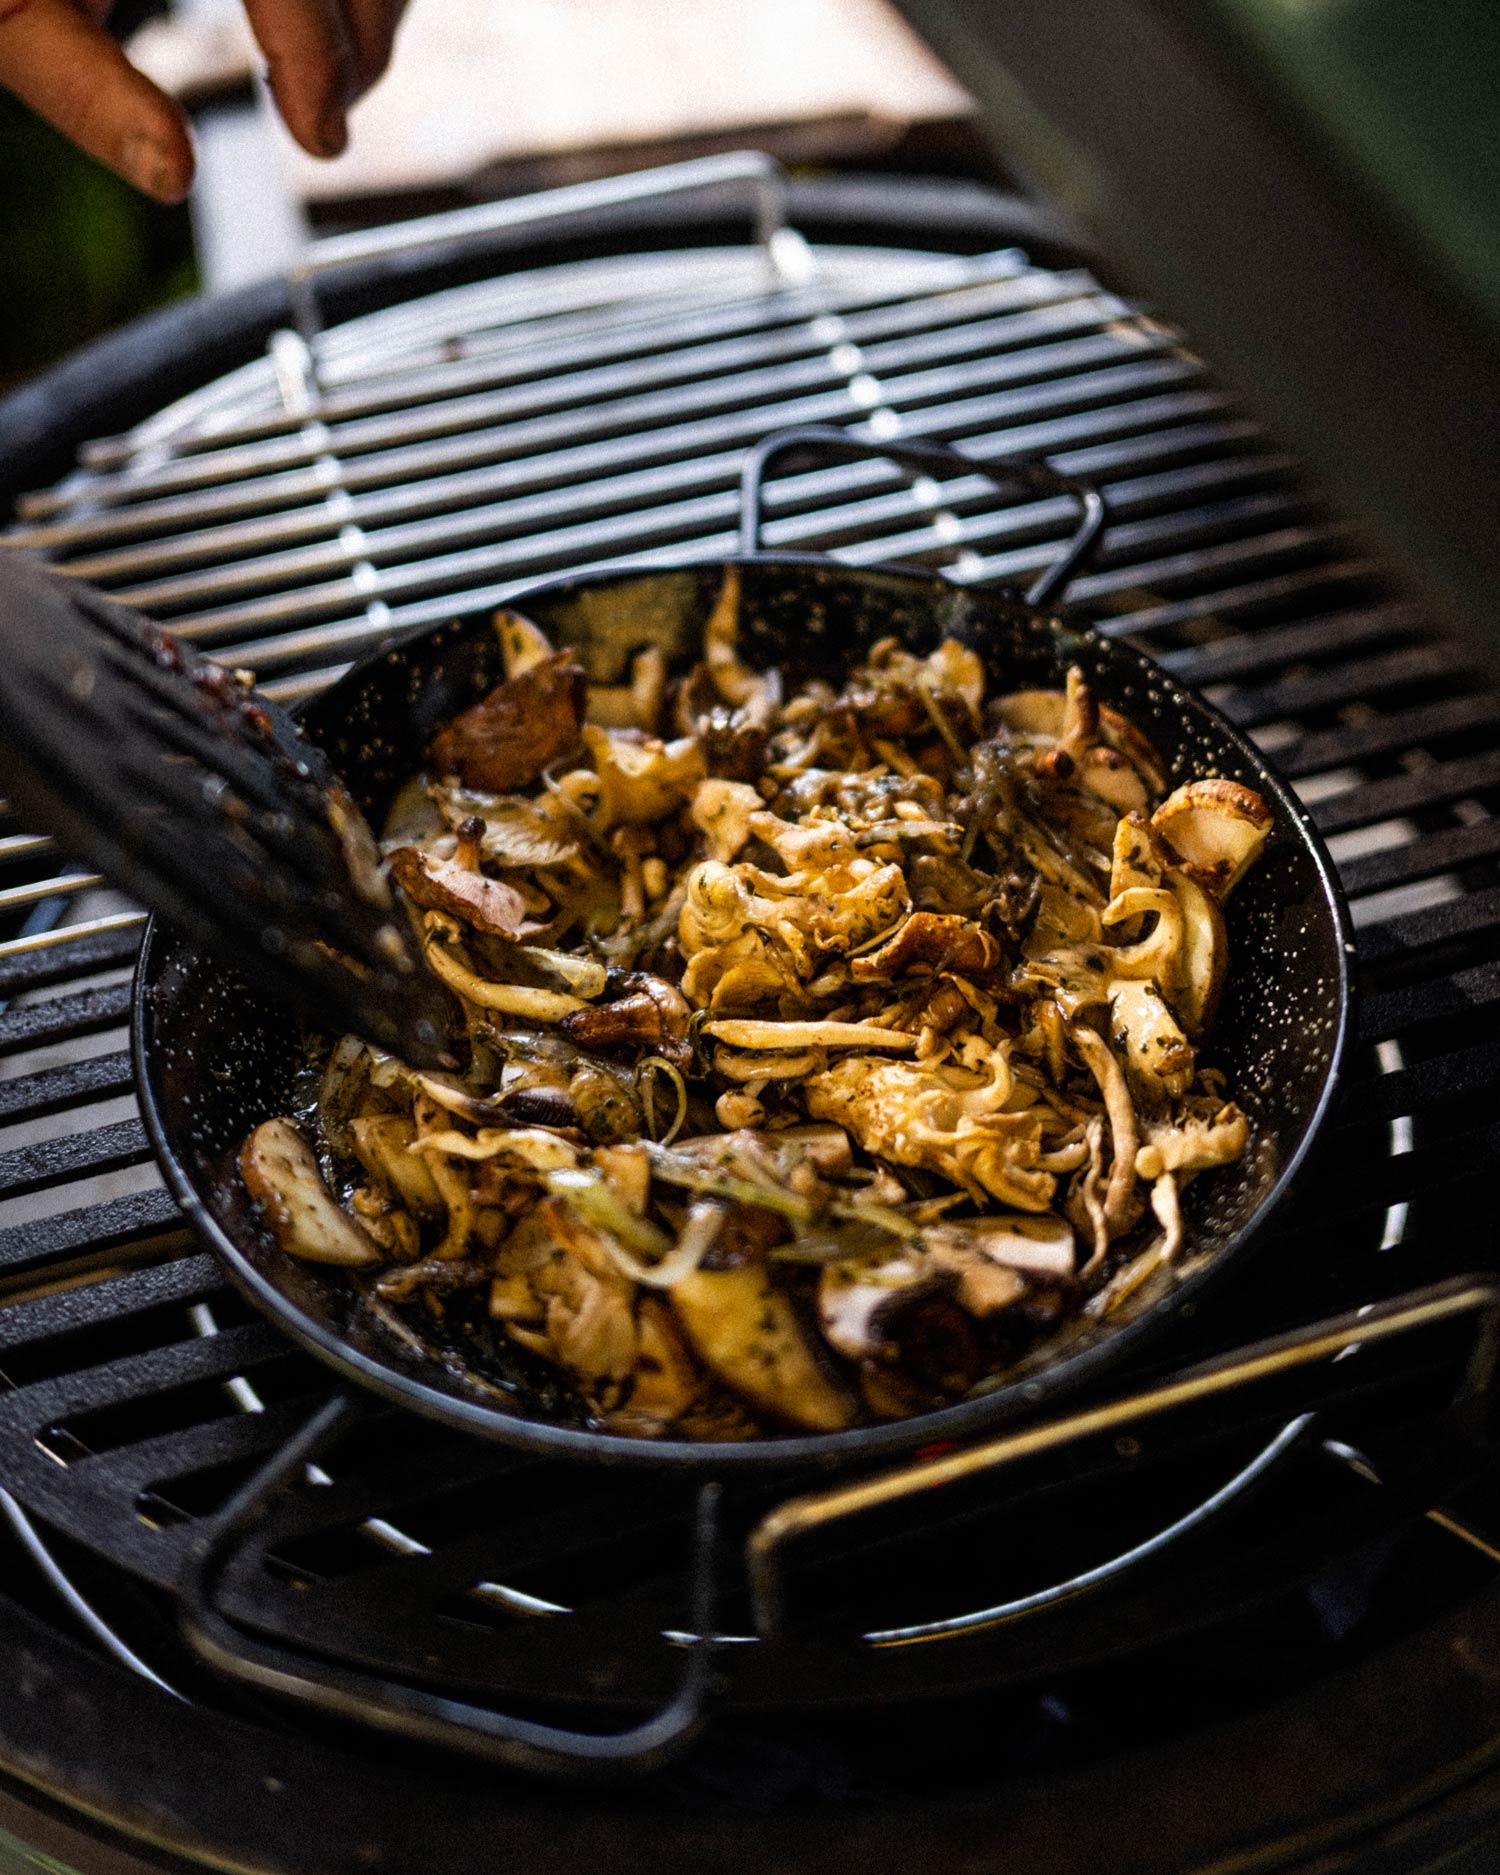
(425, 461)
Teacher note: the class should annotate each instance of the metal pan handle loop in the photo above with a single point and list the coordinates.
(408, 1711)
(1033, 475)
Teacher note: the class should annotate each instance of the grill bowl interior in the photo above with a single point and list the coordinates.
(213, 1059)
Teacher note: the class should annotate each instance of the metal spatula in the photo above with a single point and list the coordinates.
(198, 797)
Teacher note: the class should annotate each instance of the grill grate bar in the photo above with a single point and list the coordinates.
(55, 1161)
(1399, 942)
(50, 1246)
(757, 359)
(1417, 727)
(104, 943)
(1397, 1012)
(1348, 683)
(63, 1018)
(52, 1090)
(37, 1321)
(1430, 786)
(349, 635)
(25, 846)
(793, 322)
(64, 885)
(498, 428)
(1425, 858)
(1330, 635)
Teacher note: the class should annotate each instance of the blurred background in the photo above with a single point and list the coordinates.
(483, 99)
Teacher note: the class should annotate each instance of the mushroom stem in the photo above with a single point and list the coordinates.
(1124, 1134)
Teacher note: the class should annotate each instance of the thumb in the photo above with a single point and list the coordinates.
(69, 71)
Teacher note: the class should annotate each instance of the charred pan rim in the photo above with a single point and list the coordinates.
(818, 1451)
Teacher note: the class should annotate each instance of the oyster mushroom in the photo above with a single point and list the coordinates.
(723, 810)
(1119, 1210)
(1217, 829)
(382, 1143)
(641, 778)
(933, 941)
(1193, 1142)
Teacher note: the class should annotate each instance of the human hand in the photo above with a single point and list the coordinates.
(57, 58)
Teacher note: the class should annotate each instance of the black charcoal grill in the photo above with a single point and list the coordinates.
(1240, 1610)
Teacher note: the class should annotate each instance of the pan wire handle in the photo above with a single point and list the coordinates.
(1320, 1344)
(411, 1712)
(1034, 475)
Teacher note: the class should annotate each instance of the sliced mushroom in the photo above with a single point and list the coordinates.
(636, 705)
(1217, 829)
(666, 1383)
(984, 1287)
(522, 727)
(1122, 734)
(445, 885)
(522, 644)
(1113, 777)
(1031, 712)
(745, 1329)
(383, 1145)
(1205, 955)
(1138, 858)
(282, 1176)
(858, 1303)
(1158, 1061)
(1036, 1246)
(933, 941)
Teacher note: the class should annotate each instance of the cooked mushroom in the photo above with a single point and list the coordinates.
(282, 1176)
(1217, 829)
(450, 887)
(383, 1143)
(650, 1014)
(1193, 1142)
(641, 778)
(745, 1329)
(933, 941)
(523, 726)
(941, 990)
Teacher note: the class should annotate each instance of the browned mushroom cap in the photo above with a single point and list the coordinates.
(520, 728)
(444, 885)
(935, 941)
(1217, 829)
(650, 1014)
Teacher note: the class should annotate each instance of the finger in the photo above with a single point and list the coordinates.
(312, 64)
(372, 27)
(73, 74)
